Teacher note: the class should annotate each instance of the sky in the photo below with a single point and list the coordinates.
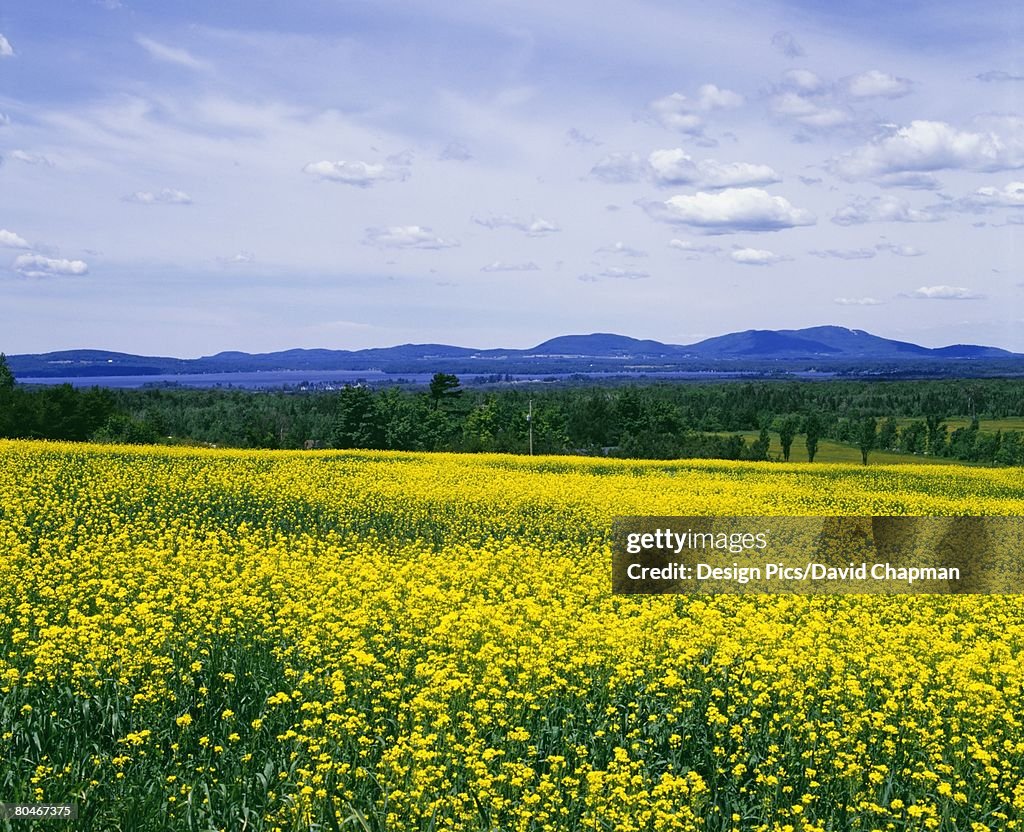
(185, 178)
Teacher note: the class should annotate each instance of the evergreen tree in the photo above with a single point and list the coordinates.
(6, 376)
(867, 434)
(444, 387)
(358, 423)
(812, 433)
(787, 427)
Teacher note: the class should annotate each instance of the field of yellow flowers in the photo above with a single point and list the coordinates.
(234, 640)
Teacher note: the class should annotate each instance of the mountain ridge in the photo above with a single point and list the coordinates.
(817, 344)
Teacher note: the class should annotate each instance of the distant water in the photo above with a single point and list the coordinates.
(249, 381)
(330, 379)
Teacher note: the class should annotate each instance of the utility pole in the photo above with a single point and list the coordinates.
(529, 419)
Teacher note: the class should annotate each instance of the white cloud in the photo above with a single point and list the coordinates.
(619, 168)
(882, 209)
(945, 293)
(406, 236)
(857, 301)
(677, 112)
(621, 248)
(359, 174)
(240, 258)
(676, 167)
(900, 250)
(31, 158)
(499, 266)
(876, 84)
(1009, 196)
(803, 81)
(8, 239)
(711, 97)
(171, 55)
(693, 248)
(682, 114)
(539, 227)
(845, 254)
(168, 196)
(787, 45)
(35, 265)
(734, 209)
(926, 146)
(6, 50)
(756, 257)
(818, 115)
(536, 227)
(809, 101)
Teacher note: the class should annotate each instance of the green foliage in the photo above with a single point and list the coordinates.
(444, 387)
(812, 433)
(759, 448)
(867, 437)
(787, 427)
(123, 429)
(887, 435)
(6, 376)
(913, 438)
(359, 422)
(653, 420)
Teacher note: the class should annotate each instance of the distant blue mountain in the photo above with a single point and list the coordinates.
(818, 342)
(566, 353)
(603, 344)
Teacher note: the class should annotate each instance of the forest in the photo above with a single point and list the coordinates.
(653, 420)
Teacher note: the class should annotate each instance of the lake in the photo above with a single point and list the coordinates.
(333, 379)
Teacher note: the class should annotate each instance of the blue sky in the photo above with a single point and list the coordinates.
(183, 178)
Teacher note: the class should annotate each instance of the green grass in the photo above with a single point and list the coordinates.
(984, 425)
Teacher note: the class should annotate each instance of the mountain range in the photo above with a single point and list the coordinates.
(822, 346)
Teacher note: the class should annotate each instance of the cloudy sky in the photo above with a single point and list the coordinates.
(183, 178)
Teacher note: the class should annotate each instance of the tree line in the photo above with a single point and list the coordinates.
(656, 421)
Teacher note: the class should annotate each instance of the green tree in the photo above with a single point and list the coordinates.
(912, 437)
(444, 387)
(7, 419)
(812, 433)
(887, 435)
(867, 435)
(787, 427)
(935, 410)
(591, 420)
(124, 429)
(480, 426)
(759, 447)
(6, 376)
(358, 423)
(404, 417)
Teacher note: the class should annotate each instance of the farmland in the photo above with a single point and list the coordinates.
(202, 639)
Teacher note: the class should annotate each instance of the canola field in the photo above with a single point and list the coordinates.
(198, 640)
